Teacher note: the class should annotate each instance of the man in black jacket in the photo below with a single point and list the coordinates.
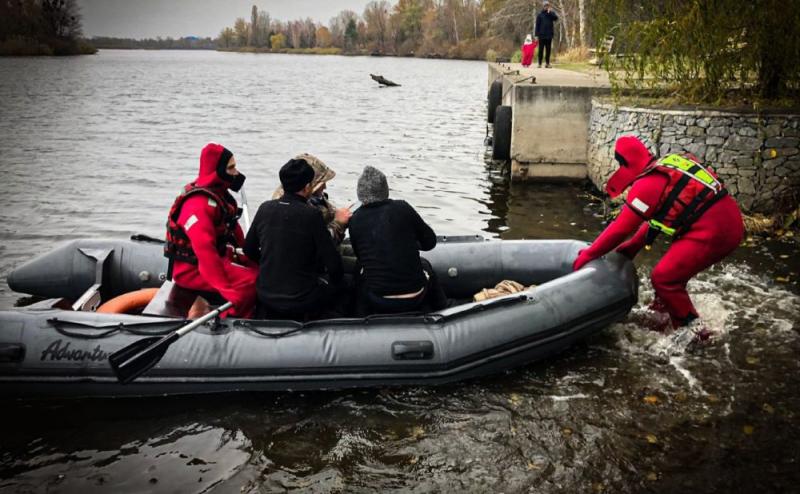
(544, 32)
(387, 236)
(291, 243)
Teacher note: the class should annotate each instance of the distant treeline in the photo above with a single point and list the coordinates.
(185, 43)
(470, 29)
(441, 28)
(41, 27)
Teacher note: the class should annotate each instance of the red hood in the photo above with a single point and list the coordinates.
(210, 171)
(633, 158)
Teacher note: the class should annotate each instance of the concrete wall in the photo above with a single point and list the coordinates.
(757, 156)
(550, 131)
(550, 123)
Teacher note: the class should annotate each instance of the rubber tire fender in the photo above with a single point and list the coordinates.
(495, 98)
(501, 142)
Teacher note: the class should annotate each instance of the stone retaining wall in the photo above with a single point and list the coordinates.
(757, 157)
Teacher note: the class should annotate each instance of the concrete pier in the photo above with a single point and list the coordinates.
(550, 119)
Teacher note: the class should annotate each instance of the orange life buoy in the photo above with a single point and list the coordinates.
(128, 302)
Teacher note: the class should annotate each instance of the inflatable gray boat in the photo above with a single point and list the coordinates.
(60, 347)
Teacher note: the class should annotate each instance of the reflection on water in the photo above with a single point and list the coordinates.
(99, 146)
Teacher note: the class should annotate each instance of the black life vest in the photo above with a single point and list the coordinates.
(691, 190)
(178, 247)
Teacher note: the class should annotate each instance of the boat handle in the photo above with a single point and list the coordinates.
(412, 350)
(11, 352)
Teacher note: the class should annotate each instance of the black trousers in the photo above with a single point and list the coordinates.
(545, 44)
(327, 300)
(432, 298)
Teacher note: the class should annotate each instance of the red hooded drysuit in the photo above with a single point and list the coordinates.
(707, 237)
(213, 234)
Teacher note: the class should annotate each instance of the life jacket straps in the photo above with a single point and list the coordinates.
(696, 207)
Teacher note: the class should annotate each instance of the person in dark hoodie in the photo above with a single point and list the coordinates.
(300, 269)
(544, 32)
(203, 234)
(387, 236)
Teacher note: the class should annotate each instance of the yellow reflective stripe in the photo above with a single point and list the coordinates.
(704, 177)
(662, 227)
(680, 163)
(677, 161)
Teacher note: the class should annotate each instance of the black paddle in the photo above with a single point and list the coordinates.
(137, 358)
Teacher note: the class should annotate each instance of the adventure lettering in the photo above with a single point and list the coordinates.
(57, 350)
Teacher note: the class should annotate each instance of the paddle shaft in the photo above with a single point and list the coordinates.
(245, 210)
(137, 358)
(202, 320)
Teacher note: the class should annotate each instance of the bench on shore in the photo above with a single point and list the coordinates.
(599, 53)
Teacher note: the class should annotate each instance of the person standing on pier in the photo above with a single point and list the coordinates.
(544, 31)
(679, 197)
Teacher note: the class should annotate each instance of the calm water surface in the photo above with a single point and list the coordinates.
(99, 146)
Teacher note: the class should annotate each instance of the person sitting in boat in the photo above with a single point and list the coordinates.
(387, 235)
(300, 271)
(677, 196)
(336, 218)
(203, 234)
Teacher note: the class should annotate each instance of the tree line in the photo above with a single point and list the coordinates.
(430, 28)
(41, 27)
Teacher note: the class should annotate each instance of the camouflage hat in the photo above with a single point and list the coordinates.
(322, 173)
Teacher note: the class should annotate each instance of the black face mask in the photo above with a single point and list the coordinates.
(236, 182)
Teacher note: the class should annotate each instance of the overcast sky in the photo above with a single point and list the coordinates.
(177, 18)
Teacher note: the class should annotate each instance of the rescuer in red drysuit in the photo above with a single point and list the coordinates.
(710, 230)
(203, 234)
(527, 49)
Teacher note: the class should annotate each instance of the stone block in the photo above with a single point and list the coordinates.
(747, 172)
(743, 161)
(746, 185)
(747, 132)
(718, 131)
(711, 154)
(719, 122)
(772, 164)
(742, 143)
(732, 188)
(782, 171)
(772, 130)
(782, 142)
(697, 149)
(695, 131)
(703, 122)
(771, 153)
(714, 140)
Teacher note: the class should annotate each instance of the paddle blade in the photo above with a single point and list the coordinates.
(137, 358)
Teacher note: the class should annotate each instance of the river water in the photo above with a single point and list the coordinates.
(100, 145)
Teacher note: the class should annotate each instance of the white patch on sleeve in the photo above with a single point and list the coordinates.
(212, 202)
(191, 221)
(640, 205)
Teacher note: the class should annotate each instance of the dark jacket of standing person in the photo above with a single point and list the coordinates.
(387, 236)
(544, 23)
(292, 244)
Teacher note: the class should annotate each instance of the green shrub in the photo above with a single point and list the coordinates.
(517, 56)
(703, 50)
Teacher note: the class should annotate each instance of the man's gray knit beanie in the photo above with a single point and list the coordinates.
(372, 186)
